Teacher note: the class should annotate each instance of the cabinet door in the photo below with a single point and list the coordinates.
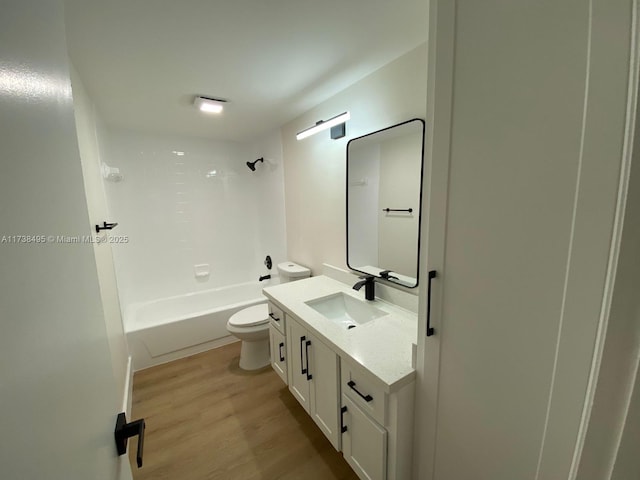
(297, 363)
(278, 352)
(522, 254)
(324, 367)
(364, 442)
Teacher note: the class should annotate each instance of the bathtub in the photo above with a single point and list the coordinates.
(169, 328)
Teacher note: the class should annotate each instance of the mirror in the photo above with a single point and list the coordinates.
(384, 192)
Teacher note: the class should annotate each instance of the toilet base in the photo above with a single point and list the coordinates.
(254, 355)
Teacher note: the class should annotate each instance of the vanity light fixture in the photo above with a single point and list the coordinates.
(209, 105)
(337, 125)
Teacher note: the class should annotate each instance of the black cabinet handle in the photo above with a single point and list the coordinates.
(274, 317)
(306, 348)
(352, 386)
(124, 431)
(430, 329)
(280, 351)
(302, 369)
(343, 427)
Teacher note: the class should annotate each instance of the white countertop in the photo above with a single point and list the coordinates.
(381, 346)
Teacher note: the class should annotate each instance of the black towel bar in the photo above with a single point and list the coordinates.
(397, 210)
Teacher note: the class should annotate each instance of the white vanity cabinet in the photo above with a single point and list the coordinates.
(376, 424)
(314, 378)
(278, 342)
(357, 384)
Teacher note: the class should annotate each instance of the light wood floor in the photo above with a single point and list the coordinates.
(207, 419)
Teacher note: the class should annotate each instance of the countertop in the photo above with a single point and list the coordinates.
(381, 346)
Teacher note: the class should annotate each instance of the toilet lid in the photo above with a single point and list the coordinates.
(249, 317)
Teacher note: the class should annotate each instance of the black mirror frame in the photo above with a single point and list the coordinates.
(419, 207)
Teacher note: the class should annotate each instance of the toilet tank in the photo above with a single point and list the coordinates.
(290, 272)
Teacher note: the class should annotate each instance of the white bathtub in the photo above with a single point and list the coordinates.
(166, 329)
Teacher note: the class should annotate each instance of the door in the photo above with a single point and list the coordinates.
(324, 368)
(57, 389)
(364, 443)
(278, 353)
(525, 151)
(297, 349)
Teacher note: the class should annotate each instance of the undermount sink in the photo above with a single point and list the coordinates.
(345, 310)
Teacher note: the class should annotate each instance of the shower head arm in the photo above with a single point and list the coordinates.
(252, 165)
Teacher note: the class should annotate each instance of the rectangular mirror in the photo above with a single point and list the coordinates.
(384, 193)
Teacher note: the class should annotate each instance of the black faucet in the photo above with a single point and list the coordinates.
(369, 287)
(386, 274)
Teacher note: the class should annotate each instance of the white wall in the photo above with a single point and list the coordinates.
(364, 186)
(90, 132)
(399, 189)
(315, 167)
(203, 207)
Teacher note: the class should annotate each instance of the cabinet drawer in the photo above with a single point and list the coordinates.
(365, 391)
(276, 318)
(278, 352)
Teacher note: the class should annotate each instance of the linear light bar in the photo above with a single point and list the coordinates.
(323, 125)
(209, 105)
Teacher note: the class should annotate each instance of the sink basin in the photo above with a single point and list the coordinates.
(345, 310)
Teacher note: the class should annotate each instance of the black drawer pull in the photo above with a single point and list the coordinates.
(274, 317)
(306, 348)
(352, 386)
(302, 369)
(280, 351)
(343, 427)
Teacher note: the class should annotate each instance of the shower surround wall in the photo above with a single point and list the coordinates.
(190, 201)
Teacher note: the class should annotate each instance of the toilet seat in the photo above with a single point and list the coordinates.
(250, 317)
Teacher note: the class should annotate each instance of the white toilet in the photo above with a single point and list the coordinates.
(251, 325)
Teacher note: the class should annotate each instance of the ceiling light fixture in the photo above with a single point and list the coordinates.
(338, 122)
(209, 105)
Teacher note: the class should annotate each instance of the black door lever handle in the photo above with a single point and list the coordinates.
(124, 431)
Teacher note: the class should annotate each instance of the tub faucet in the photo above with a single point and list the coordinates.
(369, 286)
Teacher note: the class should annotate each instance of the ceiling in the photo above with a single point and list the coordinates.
(143, 61)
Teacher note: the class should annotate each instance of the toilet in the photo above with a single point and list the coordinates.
(251, 325)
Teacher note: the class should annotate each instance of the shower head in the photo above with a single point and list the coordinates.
(252, 165)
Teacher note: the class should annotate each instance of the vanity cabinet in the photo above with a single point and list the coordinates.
(357, 385)
(278, 342)
(313, 370)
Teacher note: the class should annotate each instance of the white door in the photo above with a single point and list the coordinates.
(324, 368)
(527, 107)
(278, 352)
(58, 397)
(298, 362)
(364, 443)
